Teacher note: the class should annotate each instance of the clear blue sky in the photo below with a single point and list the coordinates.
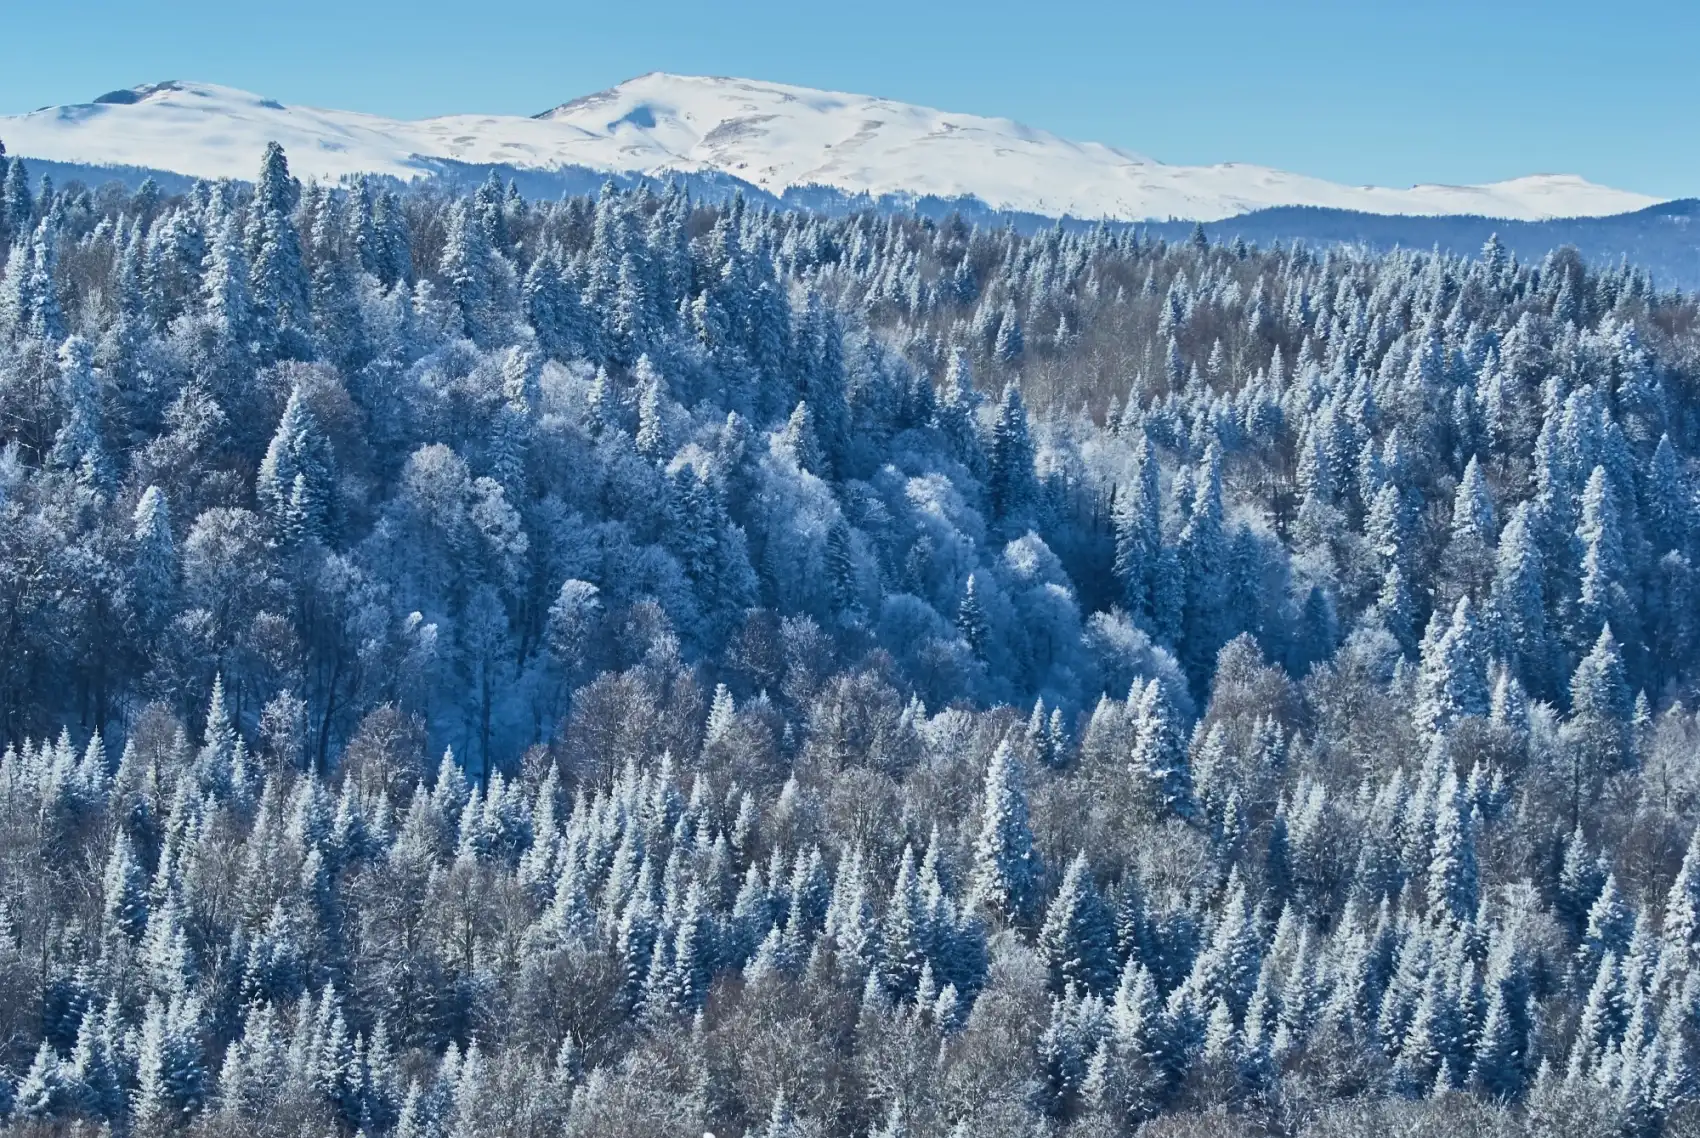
(1373, 91)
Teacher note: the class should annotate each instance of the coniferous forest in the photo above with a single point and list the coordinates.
(631, 665)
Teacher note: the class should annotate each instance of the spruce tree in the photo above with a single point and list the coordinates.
(1679, 939)
(904, 932)
(955, 414)
(1126, 1077)
(1603, 596)
(1077, 940)
(1468, 563)
(1601, 703)
(971, 620)
(79, 447)
(1159, 762)
(1138, 537)
(1517, 608)
(800, 442)
(1452, 883)
(1007, 870)
(1011, 483)
(277, 278)
(1452, 680)
(296, 484)
(466, 271)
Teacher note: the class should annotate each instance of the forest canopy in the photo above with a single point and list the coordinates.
(632, 665)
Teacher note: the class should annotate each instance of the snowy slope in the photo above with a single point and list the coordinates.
(767, 134)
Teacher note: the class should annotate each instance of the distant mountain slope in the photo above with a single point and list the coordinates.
(775, 137)
(1664, 239)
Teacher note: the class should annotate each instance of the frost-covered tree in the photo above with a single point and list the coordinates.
(1452, 678)
(1007, 869)
(1077, 939)
(296, 484)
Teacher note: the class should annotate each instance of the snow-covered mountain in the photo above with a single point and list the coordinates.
(767, 134)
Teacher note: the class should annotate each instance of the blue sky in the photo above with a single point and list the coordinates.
(1357, 92)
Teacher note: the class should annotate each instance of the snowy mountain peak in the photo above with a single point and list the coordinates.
(770, 135)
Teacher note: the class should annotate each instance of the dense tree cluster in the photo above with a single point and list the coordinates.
(633, 666)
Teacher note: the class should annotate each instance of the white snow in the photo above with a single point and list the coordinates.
(768, 134)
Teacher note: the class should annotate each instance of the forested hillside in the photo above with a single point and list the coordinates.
(473, 666)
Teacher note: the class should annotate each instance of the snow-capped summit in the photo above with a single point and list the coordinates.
(767, 134)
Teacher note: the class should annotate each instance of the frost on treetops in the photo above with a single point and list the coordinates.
(623, 663)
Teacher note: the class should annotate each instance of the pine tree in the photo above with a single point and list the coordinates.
(1500, 1068)
(1452, 868)
(217, 763)
(1604, 571)
(781, 1122)
(1665, 500)
(820, 348)
(1452, 681)
(41, 1093)
(1065, 1050)
(393, 258)
(849, 924)
(297, 479)
(1159, 763)
(1395, 608)
(97, 1066)
(124, 906)
(904, 932)
(971, 620)
(277, 278)
(78, 447)
(841, 574)
(652, 431)
(170, 1073)
(552, 305)
(29, 293)
(1468, 563)
(466, 271)
(633, 322)
(1138, 536)
(1601, 704)
(1517, 609)
(1609, 933)
(1007, 869)
(1201, 551)
(155, 556)
(228, 303)
(720, 714)
(1077, 940)
(1227, 968)
(954, 415)
(893, 1125)
(1125, 1077)
(1010, 342)
(16, 206)
(800, 442)
(1679, 933)
(1011, 483)
(1387, 525)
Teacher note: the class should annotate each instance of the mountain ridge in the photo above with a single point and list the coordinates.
(774, 136)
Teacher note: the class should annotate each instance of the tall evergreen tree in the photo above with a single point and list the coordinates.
(296, 485)
(277, 278)
(1600, 703)
(79, 446)
(1011, 483)
(1007, 869)
(1452, 681)
(1077, 939)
